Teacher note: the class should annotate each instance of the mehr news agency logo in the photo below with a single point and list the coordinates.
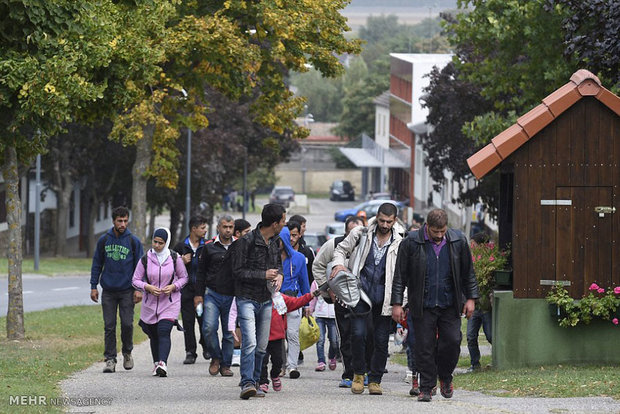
(42, 400)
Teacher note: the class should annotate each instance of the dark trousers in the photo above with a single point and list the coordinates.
(110, 302)
(343, 323)
(380, 326)
(478, 319)
(188, 315)
(437, 345)
(159, 336)
(274, 351)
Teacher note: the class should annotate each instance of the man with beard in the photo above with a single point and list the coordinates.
(378, 259)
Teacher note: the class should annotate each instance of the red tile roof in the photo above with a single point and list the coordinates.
(582, 83)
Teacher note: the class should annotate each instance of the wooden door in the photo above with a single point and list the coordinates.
(583, 237)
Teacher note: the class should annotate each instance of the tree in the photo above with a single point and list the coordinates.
(323, 96)
(47, 60)
(591, 30)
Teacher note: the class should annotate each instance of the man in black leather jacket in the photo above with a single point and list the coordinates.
(434, 264)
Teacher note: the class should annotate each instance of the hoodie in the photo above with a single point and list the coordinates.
(294, 267)
(114, 260)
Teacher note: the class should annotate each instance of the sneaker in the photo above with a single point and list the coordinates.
(236, 359)
(190, 358)
(110, 366)
(226, 372)
(214, 366)
(345, 383)
(154, 373)
(294, 374)
(260, 393)
(247, 391)
(358, 384)
(162, 369)
(415, 387)
(332, 364)
(264, 387)
(127, 361)
(446, 388)
(320, 367)
(374, 388)
(276, 383)
(424, 396)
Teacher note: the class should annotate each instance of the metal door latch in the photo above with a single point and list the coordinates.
(602, 210)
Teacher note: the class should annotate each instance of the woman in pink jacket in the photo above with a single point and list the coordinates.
(161, 301)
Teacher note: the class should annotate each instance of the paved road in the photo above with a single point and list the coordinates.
(45, 292)
(190, 389)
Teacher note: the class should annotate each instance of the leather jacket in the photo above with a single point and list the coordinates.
(411, 269)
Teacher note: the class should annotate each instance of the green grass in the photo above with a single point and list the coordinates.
(58, 343)
(52, 266)
(557, 381)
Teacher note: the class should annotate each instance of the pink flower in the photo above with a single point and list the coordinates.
(617, 290)
(615, 321)
(593, 286)
(491, 258)
(600, 290)
(473, 259)
(479, 257)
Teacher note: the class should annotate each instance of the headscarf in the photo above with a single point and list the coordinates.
(164, 234)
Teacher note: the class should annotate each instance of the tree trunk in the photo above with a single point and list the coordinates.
(15, 313)
(138, 191)
(151, 228)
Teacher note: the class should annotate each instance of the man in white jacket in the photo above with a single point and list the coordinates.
(378, 258)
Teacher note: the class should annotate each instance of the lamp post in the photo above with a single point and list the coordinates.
(308, 119)
(189, 174)
(37, 214)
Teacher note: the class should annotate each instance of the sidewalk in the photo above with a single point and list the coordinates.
(190, 389)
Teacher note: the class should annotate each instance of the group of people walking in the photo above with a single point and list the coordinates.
(259, 281)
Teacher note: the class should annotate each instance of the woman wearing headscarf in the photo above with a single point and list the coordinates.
(161, 280)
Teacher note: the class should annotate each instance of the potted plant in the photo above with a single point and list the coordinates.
(488, 258)
(597, 303)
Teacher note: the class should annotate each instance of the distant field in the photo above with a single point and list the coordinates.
(357, 16)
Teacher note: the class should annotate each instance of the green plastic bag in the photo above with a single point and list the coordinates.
(308, 332)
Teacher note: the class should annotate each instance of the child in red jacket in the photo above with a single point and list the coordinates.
(277, 333)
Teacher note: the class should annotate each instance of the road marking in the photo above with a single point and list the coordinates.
(67, 288)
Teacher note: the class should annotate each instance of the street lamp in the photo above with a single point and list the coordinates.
(189, 173)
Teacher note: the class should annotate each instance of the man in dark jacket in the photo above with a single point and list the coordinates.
(256, 263)
(217, 297)
(116, 255)
(434, 264)
(190, 250)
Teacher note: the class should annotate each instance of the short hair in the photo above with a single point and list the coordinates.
(388, 209)
(224, 217)
(120, 211)
(240, 225)
(298, 218)
(414, 226)
(292, 224)
(437, 218)
(197, 220)
(351, 219)
(272, 213)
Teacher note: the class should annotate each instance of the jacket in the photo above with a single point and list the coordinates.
(294, 267)
(348, 249)
(250, 259)
(209, 265)
(320, 308)
(114, 260)
(156, 308)
(184, 248)
(411, 269)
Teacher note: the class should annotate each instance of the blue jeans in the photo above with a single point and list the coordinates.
(254, 320)
(217, 306)
(479, 318)
(328, 324)
(380, 327)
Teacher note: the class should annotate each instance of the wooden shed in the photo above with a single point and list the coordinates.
(560, 177)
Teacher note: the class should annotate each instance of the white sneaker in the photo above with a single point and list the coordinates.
(155, 369)
(161, 369)
(236, 358)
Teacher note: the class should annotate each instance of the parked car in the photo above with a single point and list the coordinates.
(369, 207)
(315, 240)
(341, 190)
(379, 196)
(282, 195)
(334, 229)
